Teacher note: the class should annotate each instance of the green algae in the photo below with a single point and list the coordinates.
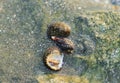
(61, 78)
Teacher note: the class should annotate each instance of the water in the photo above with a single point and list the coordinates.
(95, 32)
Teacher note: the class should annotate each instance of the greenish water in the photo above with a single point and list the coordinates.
(23, 40)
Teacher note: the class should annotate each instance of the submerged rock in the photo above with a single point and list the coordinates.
(84, 45)
(22, 41)
(61, 79)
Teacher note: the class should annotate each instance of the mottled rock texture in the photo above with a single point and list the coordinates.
(23, 40)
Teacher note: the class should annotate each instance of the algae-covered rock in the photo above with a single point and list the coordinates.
(61, 79)
(23, 40)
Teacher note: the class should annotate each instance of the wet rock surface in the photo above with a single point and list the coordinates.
(84, 45)
(23, 40)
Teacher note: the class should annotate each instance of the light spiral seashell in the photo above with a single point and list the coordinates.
(53, 58)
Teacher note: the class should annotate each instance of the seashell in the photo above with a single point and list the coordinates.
(53, 58)
(65, 44)
(58, 29)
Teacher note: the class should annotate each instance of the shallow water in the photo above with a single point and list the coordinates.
(95, 32)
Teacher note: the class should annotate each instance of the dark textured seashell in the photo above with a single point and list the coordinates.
(53, 58)
(58, 29)
(65, 44)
